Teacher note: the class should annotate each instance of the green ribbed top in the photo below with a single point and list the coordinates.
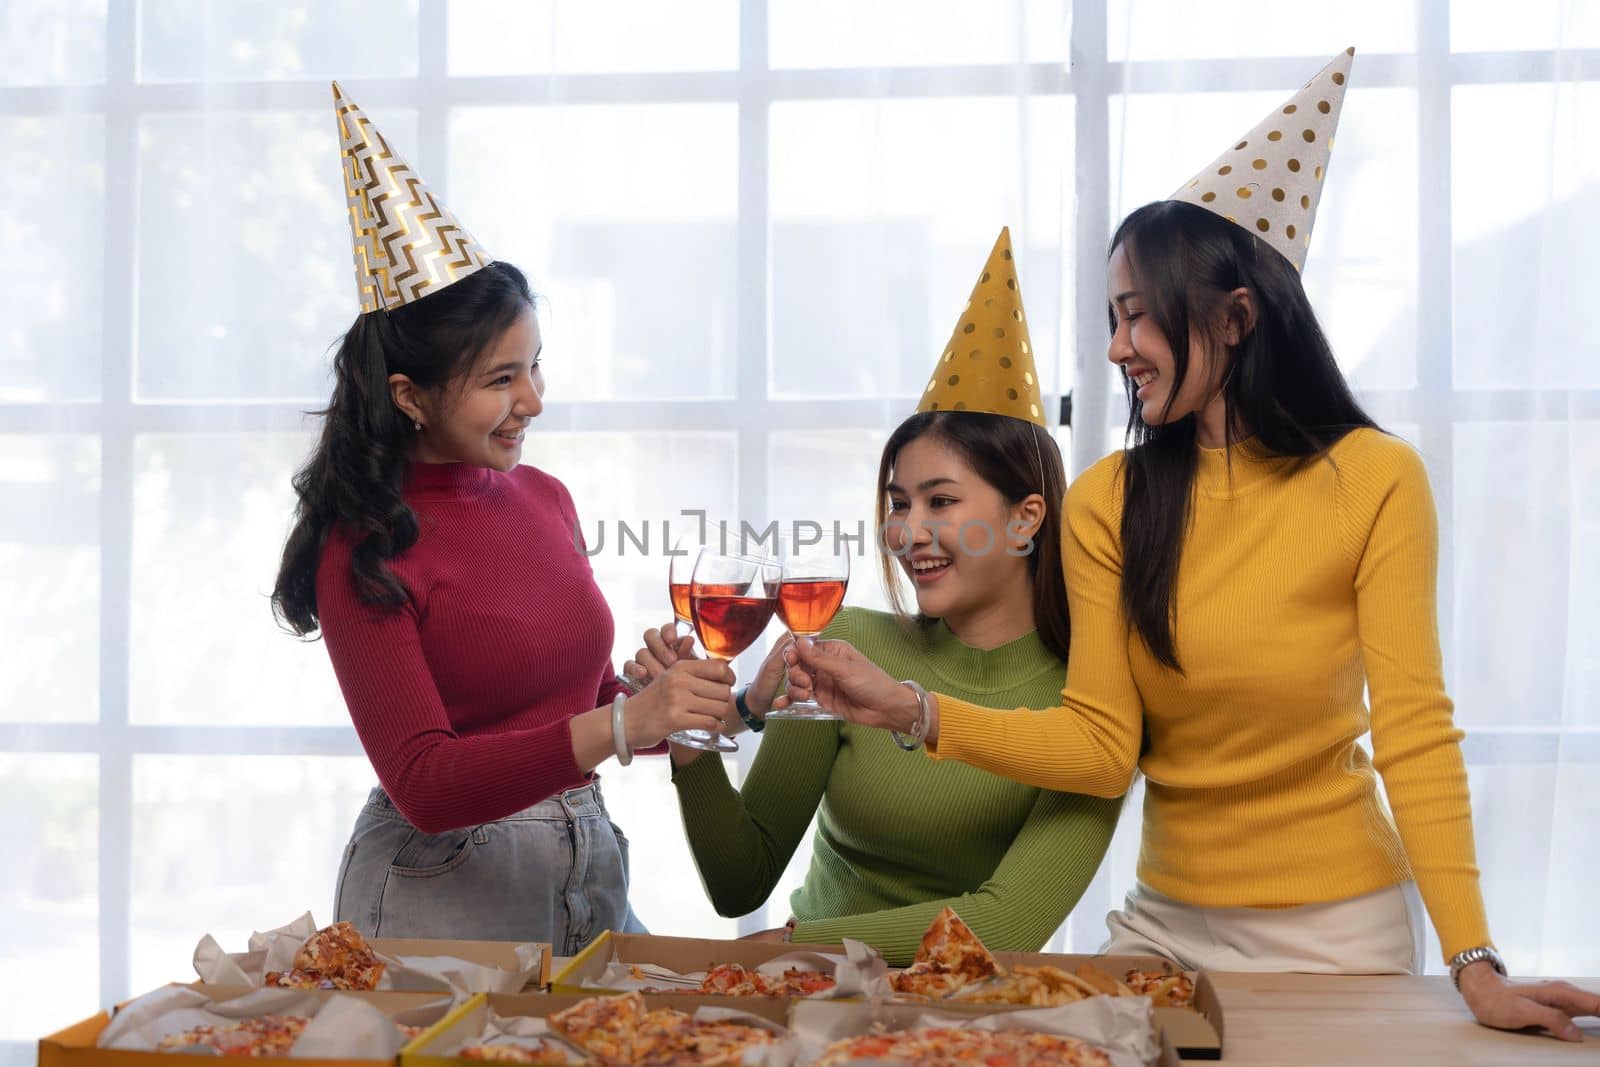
(899, 836)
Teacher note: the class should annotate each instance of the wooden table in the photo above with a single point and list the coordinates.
(1290, 1019)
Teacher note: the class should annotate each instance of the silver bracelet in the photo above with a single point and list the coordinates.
(619, 733)
(919, 729)
(1466, 957)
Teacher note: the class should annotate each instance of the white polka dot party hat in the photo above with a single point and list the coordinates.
(1270, 181)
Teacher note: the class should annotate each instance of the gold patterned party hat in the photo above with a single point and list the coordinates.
(1270, 181)
(406, 243)
(988, 364)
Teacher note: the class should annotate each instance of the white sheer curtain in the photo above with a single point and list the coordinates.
(752, 221)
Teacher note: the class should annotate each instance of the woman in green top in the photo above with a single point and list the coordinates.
(898, 838)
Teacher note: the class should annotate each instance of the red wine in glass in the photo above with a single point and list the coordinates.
(728, 625)
(680, 601)
(808, 605)
(731, 600)
(815, 577)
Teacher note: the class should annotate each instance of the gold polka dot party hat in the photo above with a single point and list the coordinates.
(406, 243)
(1270, 181)
(988, 364)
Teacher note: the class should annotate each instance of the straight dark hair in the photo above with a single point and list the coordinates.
(354, 473)
(1018, 459)
(1280, 384)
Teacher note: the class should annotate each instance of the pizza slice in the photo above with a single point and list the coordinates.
(604, 1027)
(335, 957)
(951, 956)
(926, 979)
(734, 980)
(1164, 990)
(1032, 1048)
(948, 1047)
(298, 979)
(264, 1035)
(195, 1035)
(799, 983)
(921, 1045)
(666, 1038)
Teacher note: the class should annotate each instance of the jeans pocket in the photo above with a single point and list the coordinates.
(429, 855)
(622, 847)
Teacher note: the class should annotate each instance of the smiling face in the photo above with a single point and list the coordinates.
(1142, 350)
(481, 418)
(949, 531)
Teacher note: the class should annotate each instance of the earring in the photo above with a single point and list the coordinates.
(417, 425)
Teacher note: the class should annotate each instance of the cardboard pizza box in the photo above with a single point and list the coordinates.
(1197, 1034)
(75, 1045)
(685, 955)
(472, 1014)
(893, 1016)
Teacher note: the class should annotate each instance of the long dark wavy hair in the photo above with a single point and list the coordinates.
(1280, 385)
(354, 474)
(1018, 459)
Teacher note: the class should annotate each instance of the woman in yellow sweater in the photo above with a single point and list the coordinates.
(1258, 557)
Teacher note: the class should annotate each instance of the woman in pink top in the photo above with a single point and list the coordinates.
(470, 641)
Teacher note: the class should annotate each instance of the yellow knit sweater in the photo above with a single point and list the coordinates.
(1299, 586)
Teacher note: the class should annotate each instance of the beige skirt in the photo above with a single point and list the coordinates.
(1378, 933)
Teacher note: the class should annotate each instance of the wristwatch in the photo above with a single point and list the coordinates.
(756, 725)
(1482, 953)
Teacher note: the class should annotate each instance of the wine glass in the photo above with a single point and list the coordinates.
(731, 600)
(814, 581)
(685, 553)
(685, 550)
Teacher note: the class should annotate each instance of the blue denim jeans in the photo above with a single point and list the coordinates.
(555, 872)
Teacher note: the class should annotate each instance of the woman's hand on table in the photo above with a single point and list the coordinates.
(1499, 1002)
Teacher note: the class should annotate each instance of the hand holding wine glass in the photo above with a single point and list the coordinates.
(852, 685)
(666, 646)
(692, 694)
(815, 577)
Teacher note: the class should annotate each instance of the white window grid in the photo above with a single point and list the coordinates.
(1433, 403)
